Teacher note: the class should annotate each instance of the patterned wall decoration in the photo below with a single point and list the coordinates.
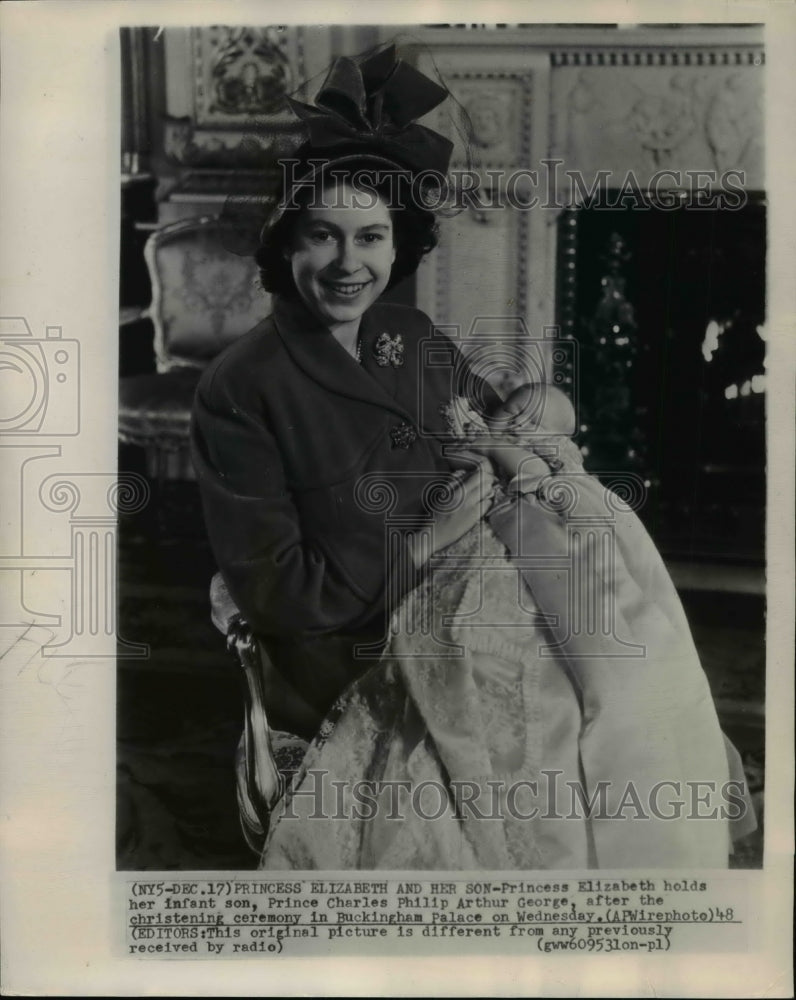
(482, 266)
(235, 81)
(497, 106)
(240, 71)
(677, 111)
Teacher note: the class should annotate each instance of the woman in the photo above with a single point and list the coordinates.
(329, 393)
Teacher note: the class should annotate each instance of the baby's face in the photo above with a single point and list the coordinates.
(537, 408)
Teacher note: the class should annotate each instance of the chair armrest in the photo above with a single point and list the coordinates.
(223, 610)
(260, 783)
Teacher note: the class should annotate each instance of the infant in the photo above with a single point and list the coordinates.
(527, 437)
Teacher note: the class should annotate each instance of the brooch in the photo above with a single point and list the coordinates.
(403, 436)
(446, 411)
(389, 350)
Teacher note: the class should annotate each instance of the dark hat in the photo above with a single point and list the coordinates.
(370, 107)
(363, 115)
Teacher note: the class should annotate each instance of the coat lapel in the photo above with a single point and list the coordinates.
(320, 357)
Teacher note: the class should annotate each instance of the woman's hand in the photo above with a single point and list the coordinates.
(503, 451)
(509, 457)
(475, 493)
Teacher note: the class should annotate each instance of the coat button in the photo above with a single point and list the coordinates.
(403, 435)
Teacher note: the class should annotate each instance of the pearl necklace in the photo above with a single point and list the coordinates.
(358, 351)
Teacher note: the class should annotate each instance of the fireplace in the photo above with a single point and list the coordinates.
(667, 310)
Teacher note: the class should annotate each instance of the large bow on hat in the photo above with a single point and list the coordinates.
(373, 105)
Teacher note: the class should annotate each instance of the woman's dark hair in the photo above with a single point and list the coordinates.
(414, 228)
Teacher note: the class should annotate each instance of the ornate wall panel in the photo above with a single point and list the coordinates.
(484, 265)
(225, 82)
(242, 71)
(645, 111)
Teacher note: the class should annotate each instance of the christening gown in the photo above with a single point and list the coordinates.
(539, 704)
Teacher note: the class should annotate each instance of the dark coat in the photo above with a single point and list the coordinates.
(286, 425)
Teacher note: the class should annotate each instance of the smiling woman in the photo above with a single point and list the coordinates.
(341, 259)
(344, 240)
(288, 426)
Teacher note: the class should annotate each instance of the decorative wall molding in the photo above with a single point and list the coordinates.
(183, 144)
(646, 119)
(482, 266)
(747, 55)
(498, 104)
(225, 87)
(242, 71)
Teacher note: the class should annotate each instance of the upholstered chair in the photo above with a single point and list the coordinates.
(203, 297)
